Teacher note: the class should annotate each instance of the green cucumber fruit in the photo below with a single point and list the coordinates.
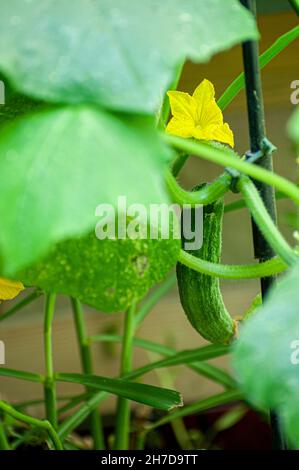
(200, 294)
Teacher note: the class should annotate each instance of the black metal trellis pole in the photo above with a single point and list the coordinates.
(261, 154)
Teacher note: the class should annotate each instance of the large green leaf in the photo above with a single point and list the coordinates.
(266, 354)
(16, 105)
(20, 374)
(119, 53)
(106, 274)
(161, 398)
(56, 166)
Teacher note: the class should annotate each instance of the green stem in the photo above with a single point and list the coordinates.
(76, 418)
(189, 356)
(6, 408)
(226, 159)
(153, 299)
(205, 353)
(202, 405)
(73, 421)
(226, 271)
(74, 402)
(240, 204)
(234, 206)
(87, 368)
(178, 163)
(22, 375)
(4, 444)
(140, 440)
(123, 405)
(239, 83)
(49, 384)
(202, 368)
(295, 5)
(264, 221)
(178, 426)
(206, 195)
(30, 298)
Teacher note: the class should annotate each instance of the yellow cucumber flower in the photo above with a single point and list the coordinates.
(198, 116)
(9, 289)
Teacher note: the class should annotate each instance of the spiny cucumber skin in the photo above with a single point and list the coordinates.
(200, 294)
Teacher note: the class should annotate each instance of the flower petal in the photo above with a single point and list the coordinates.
(203, 95)
(183, 106)
(9, 289)
(180, 127)
(211, 115)
(221, 133)
(198, 115)
(205, 91)
(208, 112)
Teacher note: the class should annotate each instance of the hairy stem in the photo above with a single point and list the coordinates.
(226, 159)
(206, 195)
(264, 221)
(226, 271)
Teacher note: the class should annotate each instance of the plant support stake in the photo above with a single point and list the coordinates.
(263, 157)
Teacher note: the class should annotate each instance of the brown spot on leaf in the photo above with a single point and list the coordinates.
(140, 264)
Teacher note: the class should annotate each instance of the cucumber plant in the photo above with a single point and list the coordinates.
(86, 120)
